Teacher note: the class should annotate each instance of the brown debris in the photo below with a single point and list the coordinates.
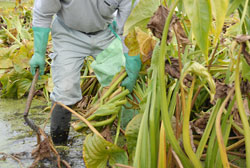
(245, 53)
(46, 150)
(222, 90)
(173, 69)
(243, 39)
(245, 88)
(200, 124)
(107, 134)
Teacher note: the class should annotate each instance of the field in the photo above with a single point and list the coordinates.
(190, 106)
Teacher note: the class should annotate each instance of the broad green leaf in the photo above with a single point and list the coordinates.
(97, 152)
(219, 8)
(131, 134)
(141, 14)
(199, 13)
(202, 72)
(23, 86)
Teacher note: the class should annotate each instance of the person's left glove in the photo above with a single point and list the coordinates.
(133, 67)
(41, 36)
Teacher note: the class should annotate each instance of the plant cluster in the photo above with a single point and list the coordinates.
(192, 96)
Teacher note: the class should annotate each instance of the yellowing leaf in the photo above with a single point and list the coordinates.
(139, 42)
(132, 43)
(146, 43)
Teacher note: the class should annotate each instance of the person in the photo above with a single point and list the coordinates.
(79, 29)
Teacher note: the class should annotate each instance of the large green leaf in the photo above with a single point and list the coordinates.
(15, 84)
(97, 152)
(141, 15)
(131, 134)
(199, 13)
(23, 86)
(219, 8)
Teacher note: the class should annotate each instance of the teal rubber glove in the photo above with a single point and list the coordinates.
(41, 36)
(133, 67)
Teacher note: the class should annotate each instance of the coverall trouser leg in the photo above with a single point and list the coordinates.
(71, 47)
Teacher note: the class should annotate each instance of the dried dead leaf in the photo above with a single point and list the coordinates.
(157, 23)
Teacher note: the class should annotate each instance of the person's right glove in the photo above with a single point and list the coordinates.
(41, 36)
(133, 67)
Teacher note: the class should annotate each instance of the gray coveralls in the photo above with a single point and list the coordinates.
(80, 29)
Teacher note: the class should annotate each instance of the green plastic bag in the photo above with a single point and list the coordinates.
(109, 61)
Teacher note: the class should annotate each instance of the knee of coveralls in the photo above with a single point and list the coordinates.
(66, 79)
(70, 49)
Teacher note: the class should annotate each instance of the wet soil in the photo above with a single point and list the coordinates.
(18, 140)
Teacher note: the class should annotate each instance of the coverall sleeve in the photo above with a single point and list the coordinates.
(43, 12)
(124, 10)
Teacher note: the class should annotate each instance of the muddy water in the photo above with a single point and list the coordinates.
(18, 139)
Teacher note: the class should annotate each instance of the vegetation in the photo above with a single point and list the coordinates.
(192, 95)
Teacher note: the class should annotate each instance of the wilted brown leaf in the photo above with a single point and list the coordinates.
(157, 23)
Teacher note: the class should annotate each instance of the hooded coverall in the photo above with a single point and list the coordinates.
(79, 29)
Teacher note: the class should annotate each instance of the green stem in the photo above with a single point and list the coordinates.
(119, 96)
(118, 128)
(163, 99)
(208, 129)
(81, 125)
(186, 129)
(242, 111)
(223, 152)
(243, 16)
(113, 86)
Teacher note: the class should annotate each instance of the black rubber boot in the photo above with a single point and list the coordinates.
(60, 125)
